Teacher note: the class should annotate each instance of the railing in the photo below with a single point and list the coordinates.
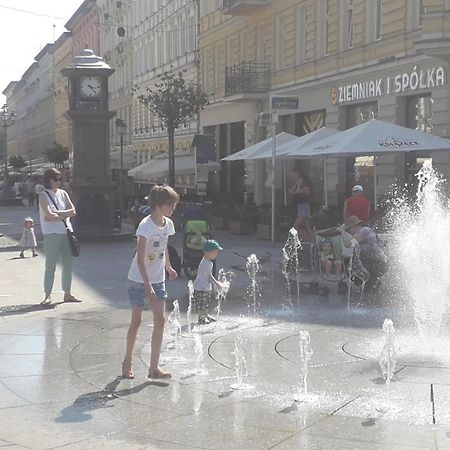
(247, 78)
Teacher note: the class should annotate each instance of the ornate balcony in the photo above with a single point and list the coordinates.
(247, 78)
(242, 7)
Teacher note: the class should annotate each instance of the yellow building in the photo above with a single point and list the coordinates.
(62, 57)
(346, 60)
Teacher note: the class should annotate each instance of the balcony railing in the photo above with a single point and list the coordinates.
(242, 7)
(247, 78)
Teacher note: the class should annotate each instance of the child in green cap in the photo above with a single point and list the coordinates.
(203, 282)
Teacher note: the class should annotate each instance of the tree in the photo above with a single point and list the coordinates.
(17, 161)
(57, 154)
(174, 101)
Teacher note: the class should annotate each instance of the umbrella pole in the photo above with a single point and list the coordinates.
(274, 150)
(284, 182)
(375, 184)
(325, 181)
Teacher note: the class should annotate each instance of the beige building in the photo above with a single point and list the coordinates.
(346, 60)
(62, 56)
(164, 37)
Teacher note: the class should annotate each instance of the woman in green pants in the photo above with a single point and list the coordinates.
(55, 210)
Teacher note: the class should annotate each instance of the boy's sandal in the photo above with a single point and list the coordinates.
(211, 319)
(71, 299)
(159, 374)
(127, 371)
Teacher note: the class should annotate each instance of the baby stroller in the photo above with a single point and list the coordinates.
(196, 232)
(338, 276)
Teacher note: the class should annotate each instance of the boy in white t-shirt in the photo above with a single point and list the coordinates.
(146, 277)
(202, 283)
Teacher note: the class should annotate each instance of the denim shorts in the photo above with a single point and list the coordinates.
(136, 292)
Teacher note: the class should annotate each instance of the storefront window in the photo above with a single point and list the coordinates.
(418, 113)
(357, 114)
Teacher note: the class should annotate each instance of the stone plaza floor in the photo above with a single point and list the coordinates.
(60, 384)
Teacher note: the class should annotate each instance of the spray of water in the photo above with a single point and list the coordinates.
(422, 232)
(174, 320)
(224, 278)
(387, 356)
(290, 258)
(253, 269)
(200, 362)
(305, 356)
(189, 310)
(240, 366)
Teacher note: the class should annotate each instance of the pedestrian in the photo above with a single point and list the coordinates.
(30, 192)
(55, 210)
(301, 190)
(357, 205)
(38, 188)
(203, 282)
(146, 277)
(17, 188)
(28, 240)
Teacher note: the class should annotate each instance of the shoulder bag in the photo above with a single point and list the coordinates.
(73, 241)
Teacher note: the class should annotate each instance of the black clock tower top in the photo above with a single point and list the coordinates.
(88, 82)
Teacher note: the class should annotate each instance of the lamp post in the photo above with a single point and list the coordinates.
(122, 127)
(7, 118)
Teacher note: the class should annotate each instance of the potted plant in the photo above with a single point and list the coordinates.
(242, 219)
(220, 216)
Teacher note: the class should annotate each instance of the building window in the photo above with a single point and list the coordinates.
(350, 24)
(322, 26)
(415, 11)
(280, 42)
(327, 26)
(301, 36)
(419, 112)
(361, 113)
(378, 19)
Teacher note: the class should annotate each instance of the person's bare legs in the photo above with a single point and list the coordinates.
(328, 267)
(159, 319)
(338, 266)
(136, 320)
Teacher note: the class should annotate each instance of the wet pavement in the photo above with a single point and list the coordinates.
(60, 383)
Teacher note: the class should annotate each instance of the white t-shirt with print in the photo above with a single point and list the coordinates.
(203, 280)
(155, 250)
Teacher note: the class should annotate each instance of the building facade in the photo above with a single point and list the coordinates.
(84, 25)
(32, 100)
(346, 60)
(164, 37)
(115, 22)
(62, 56)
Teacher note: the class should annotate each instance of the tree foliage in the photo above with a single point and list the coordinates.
(174, 101)
(57, 154)
(17, 161)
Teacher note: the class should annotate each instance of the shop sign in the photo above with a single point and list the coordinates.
(283, 102)
(398, 84)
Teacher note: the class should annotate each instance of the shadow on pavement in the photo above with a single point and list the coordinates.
(78, 411)
(13, 310)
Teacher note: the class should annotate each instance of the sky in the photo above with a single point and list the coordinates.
(24, 34)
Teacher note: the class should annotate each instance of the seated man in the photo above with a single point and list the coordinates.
(371, 255)
(357, 205)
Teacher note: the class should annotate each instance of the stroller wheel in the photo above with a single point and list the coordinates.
(190, 273)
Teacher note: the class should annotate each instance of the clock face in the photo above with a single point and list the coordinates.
(91, 87)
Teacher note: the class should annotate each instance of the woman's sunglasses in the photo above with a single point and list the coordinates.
(57, 179)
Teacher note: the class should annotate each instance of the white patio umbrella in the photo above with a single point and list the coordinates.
(261, 150)
(373, 138)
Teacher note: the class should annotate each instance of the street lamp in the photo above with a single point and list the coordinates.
(122, 128)
(7, 118)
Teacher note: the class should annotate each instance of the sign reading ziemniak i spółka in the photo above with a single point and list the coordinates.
(402, 82)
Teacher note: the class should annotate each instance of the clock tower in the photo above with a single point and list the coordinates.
(92, 189)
